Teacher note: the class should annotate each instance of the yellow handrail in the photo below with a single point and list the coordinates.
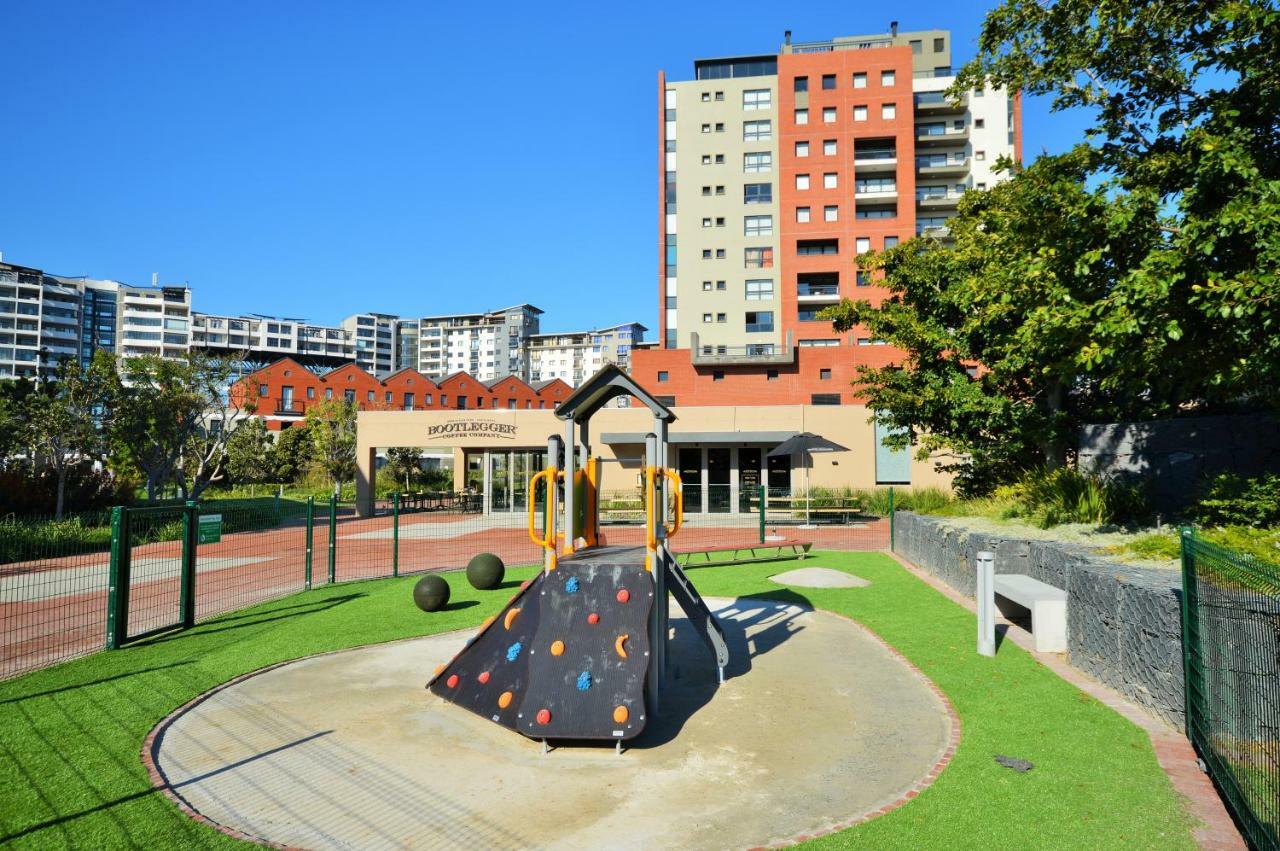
(547, 539)
(650, 533)
(679, 515)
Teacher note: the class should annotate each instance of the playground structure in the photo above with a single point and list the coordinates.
(580, 651)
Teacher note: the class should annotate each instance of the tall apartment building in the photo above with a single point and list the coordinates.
(263, 339)
(21, 294)
(576, 355)
(486, 345)
(375, 341)
(778, 170)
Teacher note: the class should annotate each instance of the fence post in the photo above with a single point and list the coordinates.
(118, 581)
(986, 604)
(190, 541)
(764, 495)
(1186, 538)
(395, 534)
(333, 537)
(892, 530)
(311, 525)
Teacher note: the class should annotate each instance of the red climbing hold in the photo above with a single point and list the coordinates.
(452, 682)
(593, 618)
(624, 595)
(484, 677)
(544, 716)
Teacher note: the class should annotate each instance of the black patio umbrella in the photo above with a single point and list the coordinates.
(805, 444)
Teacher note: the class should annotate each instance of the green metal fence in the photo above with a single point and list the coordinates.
(1231, 660)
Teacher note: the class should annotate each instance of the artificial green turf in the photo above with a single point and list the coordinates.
(70, 736)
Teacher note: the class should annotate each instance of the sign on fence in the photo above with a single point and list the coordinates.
(210, 529)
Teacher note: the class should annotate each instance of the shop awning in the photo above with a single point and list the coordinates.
(677, 438)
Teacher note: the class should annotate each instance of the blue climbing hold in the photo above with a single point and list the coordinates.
(513, 651)
(584, 681)
(571, 587)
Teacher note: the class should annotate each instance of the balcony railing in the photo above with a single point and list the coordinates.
(933, 74)
(931, 102)
(929, 136)
(752, 353)
(291, 409)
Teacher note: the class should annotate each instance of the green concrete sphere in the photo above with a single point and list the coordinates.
(485, 571)
(431, 593)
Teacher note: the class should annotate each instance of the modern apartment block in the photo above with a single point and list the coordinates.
(486, 345)
(263, 339)
(575, 355)
(778, 170)
(375, 340)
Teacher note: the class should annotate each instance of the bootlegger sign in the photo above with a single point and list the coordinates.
(471, 428)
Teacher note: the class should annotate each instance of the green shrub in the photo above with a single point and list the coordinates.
(1230, 499)
(1054, 497)
(34, 539)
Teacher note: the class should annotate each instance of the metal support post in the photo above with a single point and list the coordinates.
(118, 582)
(986, 564)
(333, 538)
(311, 525)
(892, 538)
(764, 493)
(395, 534)
(190, 543)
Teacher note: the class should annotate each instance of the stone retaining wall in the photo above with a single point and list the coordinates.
(1124, 623)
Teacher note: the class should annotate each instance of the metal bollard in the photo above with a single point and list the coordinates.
(986, 564)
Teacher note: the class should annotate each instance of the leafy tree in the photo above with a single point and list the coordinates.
(13, 434)
(60, 423)
(332, 427)
(293, 454)
(404, 462)
(250, 453)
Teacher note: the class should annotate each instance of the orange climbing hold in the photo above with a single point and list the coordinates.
(544, 716)
(487, 622)
(452, 682)
(439, 668)
(624, 595)
(619, 645)
(557, 647)
(509, 617)
(504, 699)
(484, 677)
(621, 714)
(593, 619)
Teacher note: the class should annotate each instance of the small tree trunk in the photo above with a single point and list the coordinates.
(62, 490)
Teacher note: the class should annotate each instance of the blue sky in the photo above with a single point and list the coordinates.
(321, 159)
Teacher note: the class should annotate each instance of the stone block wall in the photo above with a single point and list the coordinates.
(1124, 623)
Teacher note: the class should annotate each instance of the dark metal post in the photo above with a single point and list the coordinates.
(764, 493)
(190, 542)
(1186, 537)
(311, 525)
(395, 534)
(118, 582)
(333, 538)
(892, 530)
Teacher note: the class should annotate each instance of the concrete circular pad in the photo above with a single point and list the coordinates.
(819, 577)
(818, 724)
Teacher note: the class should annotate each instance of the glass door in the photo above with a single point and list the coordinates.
(779, 475)
(500, 481)
(719, 499)
(748, 478)
(691, 476)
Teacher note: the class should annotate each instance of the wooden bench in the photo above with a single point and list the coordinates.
(1048, 606)
(745, 553)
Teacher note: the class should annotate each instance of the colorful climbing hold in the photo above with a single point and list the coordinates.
(487, 621)
(593, 619)
(509, 617)
(525, 584)
(584, 681)
(483, 677)
(504, 699)
(439, 668)
(452, 682)
(624, 595)
(621, 714)
(557, 647)
(571, 587)
(544, 716)
(619, 645)
(513, 651)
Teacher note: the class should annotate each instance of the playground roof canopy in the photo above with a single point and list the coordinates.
(609, 383)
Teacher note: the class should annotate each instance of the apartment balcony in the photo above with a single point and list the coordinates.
(947, 169)
(935, 138)
(936, 231)
(290, 409)
(937, 103)
(750, 354)
(873, 195)
(875, 164)
(817, 294)
(938, 201)
(54, 332)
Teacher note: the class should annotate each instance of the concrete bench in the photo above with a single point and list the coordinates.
(1048, 607)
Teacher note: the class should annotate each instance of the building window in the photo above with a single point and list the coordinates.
(860, 80)
(829, 180)
(328, 393)
(917, 46)
(706, 190)
(706, 128)
(667, 401)
(349, 396)
(757, 193)
(831, 213)
(818, 344)
(758, 225)
(828, 81)
(759, 321)
(757, 99)
(719, 221)
(939, 45)
(802, 149)
(802, 116)
(706, 97)
(388, 397)
(887, 78)
(706, 286)
(719, 159)
(771, 375)
(829, 147)
(824, 399)
(757, 161)
(802, 214)
(802, 181)
(721, 317)
(828, 115)
(877, 213)
(706, 222)
(662, 376)
(863, 245)
(719, 95)
(311, 392)
(824, 375)
(717, 375)
(720, 285)
(801, 84)
(262, 391)
(757, 131)
(719, 190)
(706, 318)
(408, 401)
(980, 156)
(720, 254)
(760, 290)
(979, 123)
(863, 279)
(888, 110)
(807, 247)
(369, 396)
(859, 113)
(890, 242)
(758, 258)
(706, 254)
(719, 127)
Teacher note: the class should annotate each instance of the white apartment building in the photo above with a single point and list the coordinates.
(573, 356)
(486, 345)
